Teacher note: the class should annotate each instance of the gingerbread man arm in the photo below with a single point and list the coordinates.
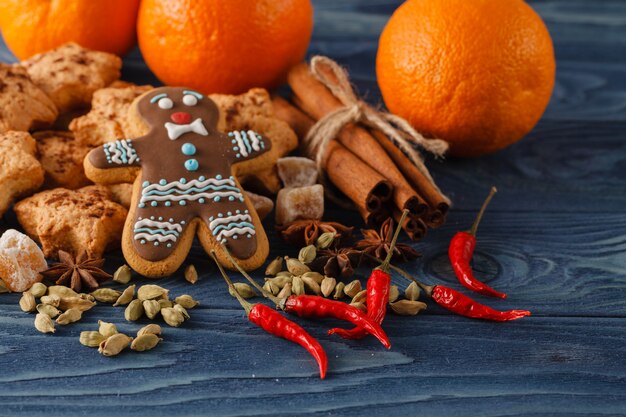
(247, 144)
(109, 163)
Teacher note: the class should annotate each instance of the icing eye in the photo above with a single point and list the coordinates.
(166, 103)
(190, 100)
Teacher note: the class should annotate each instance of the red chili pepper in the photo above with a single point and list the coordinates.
(377, 291)
(315, 306)
(461, 251)
(272, 322)
(463, 305)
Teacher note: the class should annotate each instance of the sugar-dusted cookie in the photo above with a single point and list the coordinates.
(62, 159)
(23, 105)
(107, 119)
(73, 220)
(20, 172)
(185, 182)
(70, 74)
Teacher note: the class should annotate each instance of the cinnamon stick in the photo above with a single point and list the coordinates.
(374, 219)
(436, 200)
(317, 101)
(414, 227)
(360, 183)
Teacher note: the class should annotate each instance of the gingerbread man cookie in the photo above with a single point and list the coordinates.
(185, 181)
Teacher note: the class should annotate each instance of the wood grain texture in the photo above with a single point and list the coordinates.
(554, 238)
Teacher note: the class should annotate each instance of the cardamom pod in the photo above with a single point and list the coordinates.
(47, 309)
(191, 275)
(284, 274)
(274, 267)
(280, 281)
(145, 342)
(113, 345)
(297, 286)
(394, 293)
(3, 287)
(360, 297)
(328, 285)
(408, 307)
(351, 289)
(52, 300)
(325, 240)
(106, 295)
(126, 297)
(38, 289)
(295, 266)
(70, 316)
(87, 297)
(134, 310)
(182, 311)
(186, 301)
(123, 274)
(243, 289)
(75, 302)
(151, 308)
(315, 275)
(339, 291)
(151, 292)
(27, 302)
(307, 254)
(172, 316)
(62, 291)
(165, 303)
(44, 323)
(360, 306)
(285, 291)
(412, 292)
(91, 339)
(150, 329)
(270, 287)
(311, 285)
(106, 329)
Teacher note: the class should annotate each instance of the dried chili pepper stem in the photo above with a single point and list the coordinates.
(378, 285)
(315, 306)
(461, 250)
(272, 322)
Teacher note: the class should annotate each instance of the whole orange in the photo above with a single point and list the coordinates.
(33, 26)
(477, 73)
(218, 46)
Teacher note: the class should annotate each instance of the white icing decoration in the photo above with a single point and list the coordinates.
(231, 226)
(190, 190)
(156, 231)
(174, 131)
(255, 140)
(190, 100)
(225, 220)
(151, 238)
(165, 103)
(120, 152)
(163, 225)
(236, 230)
(240, 143)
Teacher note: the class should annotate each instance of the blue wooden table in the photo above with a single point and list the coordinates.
(554, 238)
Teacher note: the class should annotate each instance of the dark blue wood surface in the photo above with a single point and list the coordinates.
(554, 239)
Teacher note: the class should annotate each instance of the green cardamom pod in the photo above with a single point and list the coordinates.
(51, 300)
(38, 289)
(182, 311)
(172, 316)
(134, 310)
(394, 293)
(62, 291)
(44, 323)
(311, 285)
(412, 292)
(285, 291)
(297, 286)
(106, 329)
(361, 306)
(360, 297)
(328, 286)
(106, 295)
(151, 292)
(314, 275)
(151, 308)
(191, 275)
(280, 281)
(91, 339)
(75, 302)
(295, 266)
(70, 316)
(164, 303)
(47, 309)
(352, 288)
(186, 301)
(270, 287)
(123, 274)
(27, 302)
(243, 289)
(150, 329)
(408, 307)
(307, 254)
(145, 342)
(127, 296)
(274, 267)
(113, 345)
(339, 291)
(325, 240)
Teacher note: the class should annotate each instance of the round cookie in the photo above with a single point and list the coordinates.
(185, 183)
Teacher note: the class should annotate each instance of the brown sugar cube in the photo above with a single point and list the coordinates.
(70, 74)
(107, 122)
(20, 172)
(262, 204)
(295, 171)
(23, 105)
(62, 159)
(300, 203)
(73, 220)
(21, 261)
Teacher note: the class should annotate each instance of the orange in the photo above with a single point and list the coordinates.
(33, 26)
(477, 73)
(224, 46)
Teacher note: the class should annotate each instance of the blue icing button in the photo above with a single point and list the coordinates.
(182, 202)
(216, 199)
(218, 177)
(188, 149)
(201, 200)
(191, 165)
(145, 183)
(168, 203)
(154, 204)
(162, 182)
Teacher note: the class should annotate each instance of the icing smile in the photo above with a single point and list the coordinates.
(174, 130)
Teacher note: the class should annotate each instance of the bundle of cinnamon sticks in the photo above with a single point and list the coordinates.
(363, 163)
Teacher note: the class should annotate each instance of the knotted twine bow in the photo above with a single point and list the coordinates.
(397, 129)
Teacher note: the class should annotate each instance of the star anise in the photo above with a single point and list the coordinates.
(76, 272)
(377, 243)
(336, 262)
(305, 232)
